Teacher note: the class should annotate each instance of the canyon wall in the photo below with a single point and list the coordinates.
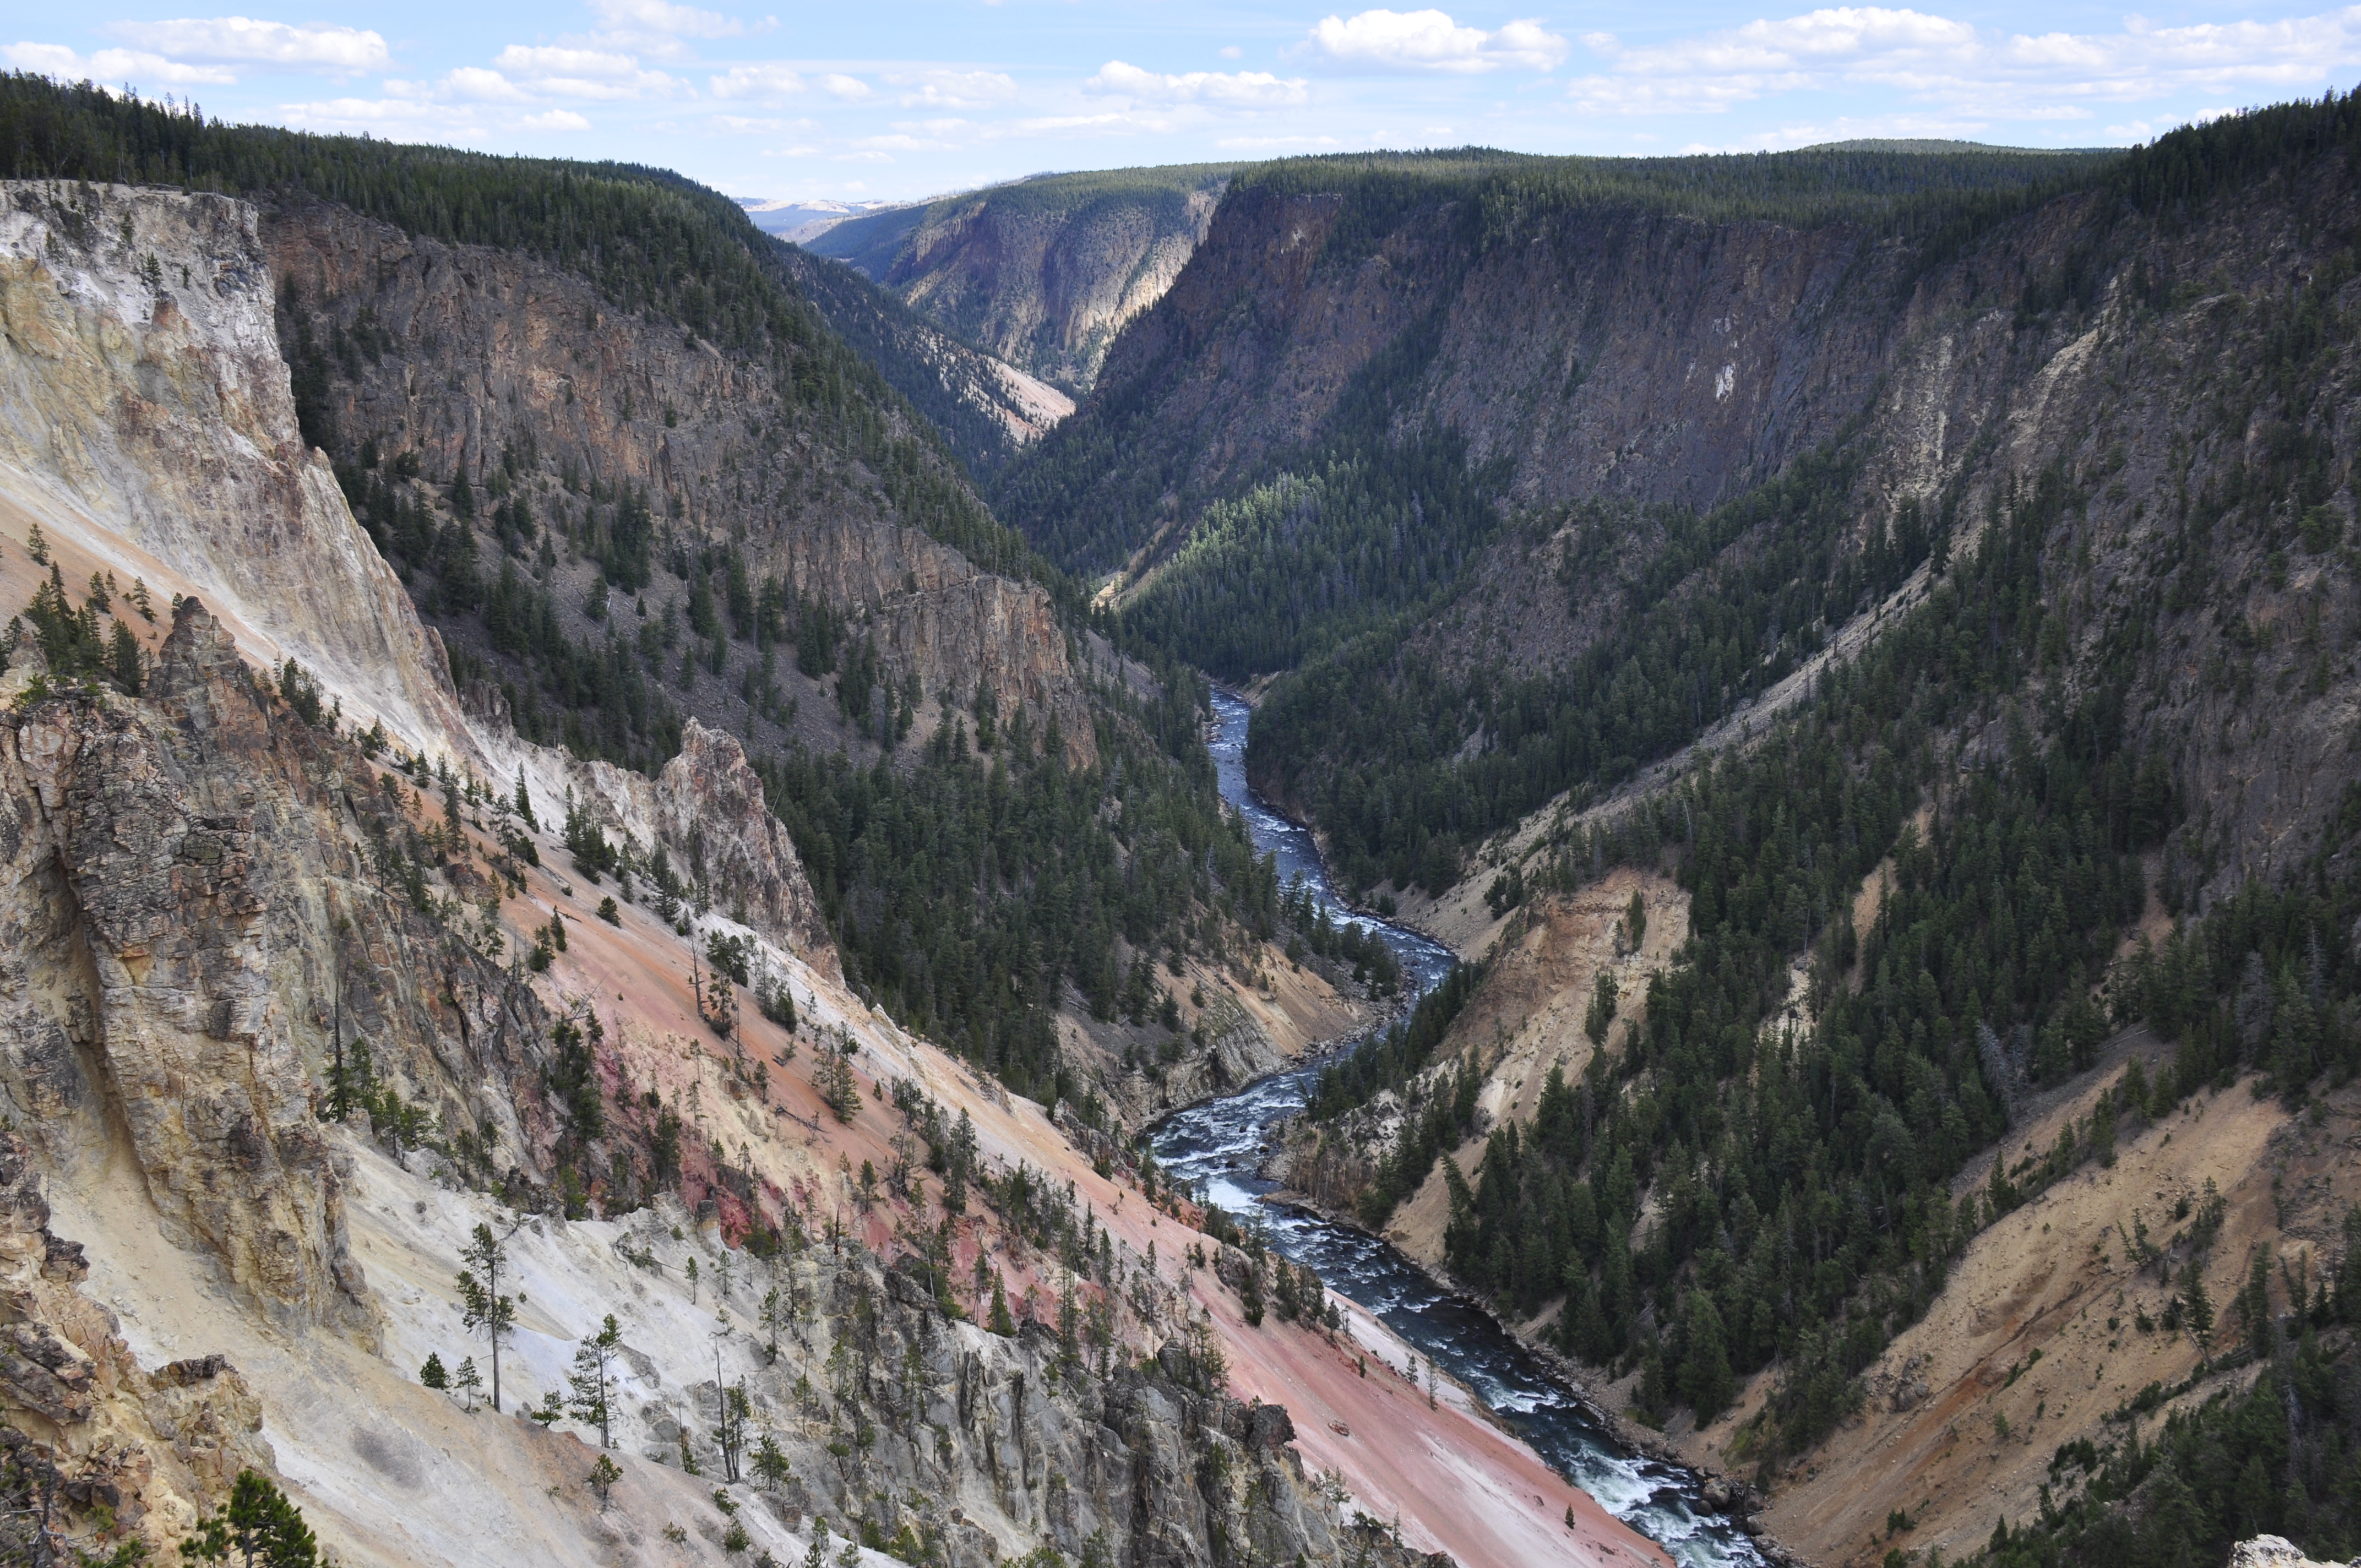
(145, 415)
(472, 353)
(1044, 273)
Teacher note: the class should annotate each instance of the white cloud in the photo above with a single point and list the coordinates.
(556, 120)
(661, 30)
(243, 41)
(1939, 60)
(384, 117)
(1430, 42)
(903, 143)
(1110, 124)
(1232, 51)
(560, 71)
(1225, 89)
(473, 82)
(751, 125)
(768, 79)
(672, 21)
(1274, 143)
(851, 89)
(114, 66)
(953, 88)
(49, 60)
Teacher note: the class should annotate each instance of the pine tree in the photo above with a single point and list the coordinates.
(774, 1312)
(432, 1375)
(771, 1461)
(736, 1408)
(467, 1380)
(1706, 1381)
(603, 1476)
(2254, 1304)
(818, 1556)
(1000, 1322)
(480, 1294)
(2196, 1306)
(1603, 1008)
(833, 1078)
(124, 662)
(589, 1379)
(260, 1525)
(2348, 1268)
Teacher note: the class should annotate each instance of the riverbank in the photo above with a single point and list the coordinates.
(1216, 1148)
(1724, 1493)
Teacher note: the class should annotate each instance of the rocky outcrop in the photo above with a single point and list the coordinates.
(121, 1450)
(2272, 1551)
(1045, 272)
(1140, 1461)
(711, 818)
(145, 415)
(201, 895)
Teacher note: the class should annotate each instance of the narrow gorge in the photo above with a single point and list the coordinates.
(1434, 859)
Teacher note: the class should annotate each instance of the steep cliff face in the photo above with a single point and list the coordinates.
(118, 1452)
(1597, 363)
(146, 416)
(465, 356)
(214, 891)
(1046, 272)
(1640, 354)
(985, 407)
(203, 892)
(2146, 406)
(706, 812)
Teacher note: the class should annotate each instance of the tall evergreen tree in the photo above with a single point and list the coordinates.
(481, 1304)
(590, 1379)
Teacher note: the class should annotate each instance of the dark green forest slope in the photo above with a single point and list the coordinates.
(975, 880)
(2057, 686)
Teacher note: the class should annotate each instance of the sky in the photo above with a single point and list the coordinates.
(859, 100)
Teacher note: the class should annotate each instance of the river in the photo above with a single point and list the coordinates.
(1214, 1148)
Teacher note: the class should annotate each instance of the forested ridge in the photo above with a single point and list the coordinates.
(1099, 486)
(977, 884)
(651, 241)
(1698, 632)
(1761, 1176)
(970, 891)
(1742, 591)
(1742, 1183)
(904, 348)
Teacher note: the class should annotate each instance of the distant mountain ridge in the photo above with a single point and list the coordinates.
(797, 221)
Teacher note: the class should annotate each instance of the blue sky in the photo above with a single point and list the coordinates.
(865, 100)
